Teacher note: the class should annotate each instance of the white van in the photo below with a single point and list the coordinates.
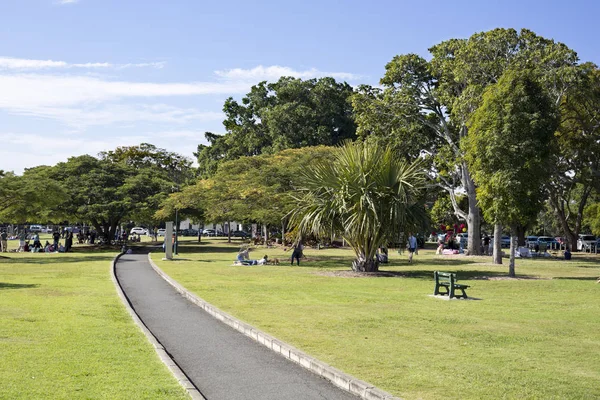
(35, 228)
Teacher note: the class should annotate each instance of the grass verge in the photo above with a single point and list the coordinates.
(64, 333)
(537, 336)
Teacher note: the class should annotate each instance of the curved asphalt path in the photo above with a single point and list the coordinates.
(220, 361)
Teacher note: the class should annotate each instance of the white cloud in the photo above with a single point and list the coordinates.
(107, 114)
(67, 1)
(26, 150)
(82, 100)
(274, 72)
(10, 63)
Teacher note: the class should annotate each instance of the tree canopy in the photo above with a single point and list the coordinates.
(509, 147)
(126, 184)
(290, 113)
(425, 105)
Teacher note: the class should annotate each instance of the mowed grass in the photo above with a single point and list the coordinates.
(533, 337)
(64, 333)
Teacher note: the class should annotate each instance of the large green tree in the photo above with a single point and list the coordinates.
(249, 189)
(30, 197)
(427, 104)
(575, 174)
(366, 194)
(509, 150)
(289, 113)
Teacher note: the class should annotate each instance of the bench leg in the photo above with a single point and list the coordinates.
(440, 292)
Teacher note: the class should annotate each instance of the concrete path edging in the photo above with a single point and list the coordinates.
(166, 359)
(340, 379)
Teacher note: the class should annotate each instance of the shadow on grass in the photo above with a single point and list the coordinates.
(199, 248)
(42, 258)
(4, 285)
(588, 266)
(461, 275)
(578, 278)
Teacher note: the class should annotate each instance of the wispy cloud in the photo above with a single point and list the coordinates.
(43, 149)
(274, 72)
(10, 63)
(80, 101)
(61, 2)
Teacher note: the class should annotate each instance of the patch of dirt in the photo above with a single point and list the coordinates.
(354, 274)
(508, 278)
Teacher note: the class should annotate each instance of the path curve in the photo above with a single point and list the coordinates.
(221, 362)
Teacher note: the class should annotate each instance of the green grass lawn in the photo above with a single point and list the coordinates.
(64, 333)
(533, 337)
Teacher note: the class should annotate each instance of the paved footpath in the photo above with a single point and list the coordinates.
(221, 362)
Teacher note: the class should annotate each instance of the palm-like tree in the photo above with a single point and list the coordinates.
(366, 194)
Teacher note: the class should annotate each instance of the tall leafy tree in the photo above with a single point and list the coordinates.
(289, 113)
(257, 188)
(575, 174)
(30, 197)
(427, 104)
(509, 148)
(366, 194)
(172, 166)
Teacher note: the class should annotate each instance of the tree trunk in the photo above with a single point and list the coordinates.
(513, 249)
(521, 235)
(112, 231)
(228, 231)
(266, 234)
(558, 206)
(283, 232)
(361, 264)
(473, 217)
(497, 255)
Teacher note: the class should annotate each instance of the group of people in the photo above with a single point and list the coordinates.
(243, 257)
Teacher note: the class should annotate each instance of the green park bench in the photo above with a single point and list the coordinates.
(447, 282)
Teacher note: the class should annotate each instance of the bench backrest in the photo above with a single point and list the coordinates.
(444, 277)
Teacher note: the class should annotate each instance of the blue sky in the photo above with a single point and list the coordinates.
(82, 76)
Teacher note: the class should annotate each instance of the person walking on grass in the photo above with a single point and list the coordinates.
(412, 246)
(56, 237)
(22, 238)
(3, 241)
(297, 253)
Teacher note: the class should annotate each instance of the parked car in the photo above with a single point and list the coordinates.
(504, 241)
(161, 232)
(548, 240)
(189, 232)
(586, 241)
(138, 230)
(240, 234)
(531, 241)
(210, 232)
(35, 228)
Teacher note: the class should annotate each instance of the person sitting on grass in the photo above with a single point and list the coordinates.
(243, 255)
(382, 255)
(262, 261)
